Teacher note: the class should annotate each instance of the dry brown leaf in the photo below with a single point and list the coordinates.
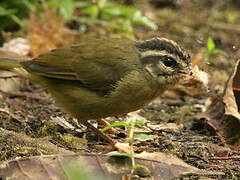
(223, 113)
(47, 31)
(156, 166)
(194, 85)
(218, 151)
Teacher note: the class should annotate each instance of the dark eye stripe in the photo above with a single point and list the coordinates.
(154, 60)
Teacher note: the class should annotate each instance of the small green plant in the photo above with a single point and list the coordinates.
(211, 47)
(211, 51)
(134, 120)
(65, 7)
(112, 16)
(12, 12)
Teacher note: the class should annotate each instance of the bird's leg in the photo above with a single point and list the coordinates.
(121, 147)
(100, 133)
(105, 124)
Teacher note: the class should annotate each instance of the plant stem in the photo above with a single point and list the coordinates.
(18, 21)
(131, 140)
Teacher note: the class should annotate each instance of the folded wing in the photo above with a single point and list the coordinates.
(97, 65)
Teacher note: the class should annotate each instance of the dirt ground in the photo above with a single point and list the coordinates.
(175, 120)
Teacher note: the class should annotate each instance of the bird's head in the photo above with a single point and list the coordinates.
(164, 60)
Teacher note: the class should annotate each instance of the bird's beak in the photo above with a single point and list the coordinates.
(188, 71)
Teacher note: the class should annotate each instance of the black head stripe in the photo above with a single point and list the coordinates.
(161, 44)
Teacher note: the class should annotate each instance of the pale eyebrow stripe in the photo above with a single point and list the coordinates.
(155, 53)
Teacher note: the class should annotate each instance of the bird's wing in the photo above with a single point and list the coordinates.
(97, 65)
(56, 64)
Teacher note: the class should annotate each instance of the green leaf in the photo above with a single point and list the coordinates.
(141, 166)
(80, 4)
(117, 124)
(20, 22)
(117, 10)
(123, 26)
(66, 8)
(127, 11)
(211, 48)
(139, 19)
(210, 45)
(111, 10)
(28, 4)
(49, 4)
(139, 122)
(90, 21)
(101, 3)
(92, 11)
(143, 136)
(219, 51)
(7, 12)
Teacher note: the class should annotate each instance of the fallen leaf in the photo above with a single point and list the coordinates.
(159, 166)
(194, 85)
(218, 151)
(223, 113)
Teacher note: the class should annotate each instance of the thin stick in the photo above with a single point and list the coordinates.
(98, 132)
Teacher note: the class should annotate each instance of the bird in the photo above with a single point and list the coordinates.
(106, 77)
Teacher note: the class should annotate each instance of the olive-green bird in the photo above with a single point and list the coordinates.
(106, 77)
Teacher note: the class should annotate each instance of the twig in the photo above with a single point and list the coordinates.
(198, 157)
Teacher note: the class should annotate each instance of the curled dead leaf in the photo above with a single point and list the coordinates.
(223, 113)
(194, 85)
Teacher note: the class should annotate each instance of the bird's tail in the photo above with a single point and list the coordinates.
(9, 64)
(13, 65)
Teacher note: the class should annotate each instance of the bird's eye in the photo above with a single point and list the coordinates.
(169, 62)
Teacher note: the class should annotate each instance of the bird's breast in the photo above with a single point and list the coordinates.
(131, 93)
